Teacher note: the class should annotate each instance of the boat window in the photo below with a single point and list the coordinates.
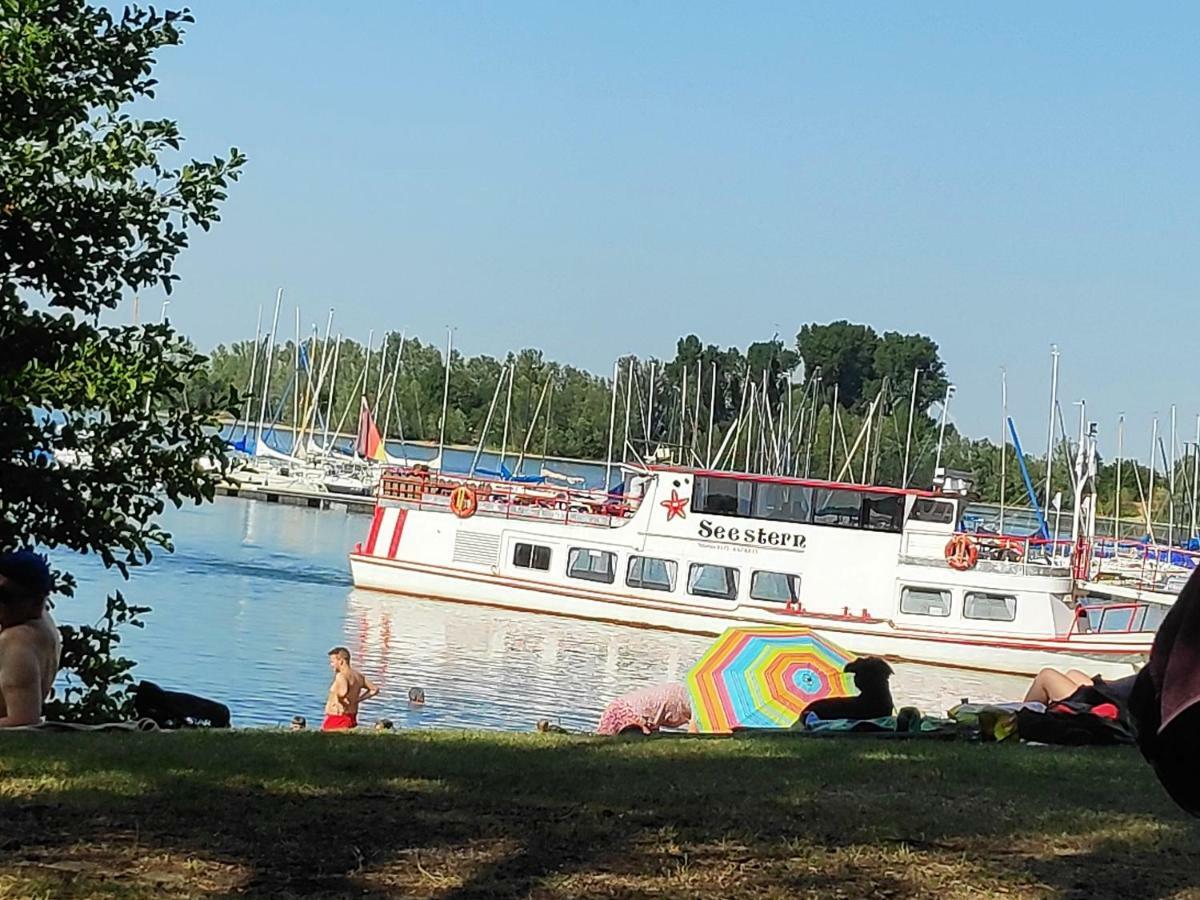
(591, 565)
(651, 574)
(531, 556)
(713, 581)
(883, 512)
(775, 587)
(923, 601)
(837, 507)
(926, 509)
(990, 607)
(782, 502)
(722, 496)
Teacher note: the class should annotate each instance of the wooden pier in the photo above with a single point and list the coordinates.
(297, 497)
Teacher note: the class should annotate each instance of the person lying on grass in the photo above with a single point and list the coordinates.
(30, 643)
(647, 710)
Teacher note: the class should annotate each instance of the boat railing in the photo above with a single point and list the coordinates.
(1001, 553)
(418, 488)
(1138, 564)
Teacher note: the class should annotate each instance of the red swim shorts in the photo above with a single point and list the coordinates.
(339, 723)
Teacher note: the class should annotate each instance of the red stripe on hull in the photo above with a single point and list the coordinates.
(373, 534)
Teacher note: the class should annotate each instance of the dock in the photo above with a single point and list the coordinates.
(312, 499)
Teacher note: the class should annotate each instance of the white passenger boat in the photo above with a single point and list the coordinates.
(878, 570)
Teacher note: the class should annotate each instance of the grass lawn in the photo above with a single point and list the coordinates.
(483, 815)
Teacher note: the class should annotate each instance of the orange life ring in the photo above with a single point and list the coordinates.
(463, 502)
(962, 552)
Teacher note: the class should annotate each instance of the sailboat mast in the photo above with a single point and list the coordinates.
(249, 411)
(1150, 497)
(612, 421)
(487, 422)
(937, 463)
(912, 408)
(628, 409)
(1171, 483)
(1050, 428)
(262, 409)
(445, 397)
(1120, 461)
(296, 383)
(1003, 443)
(391, 402)
(337, 352)
(712, 406)
(512, 374)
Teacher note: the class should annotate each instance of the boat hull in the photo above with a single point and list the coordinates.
(1109, 655)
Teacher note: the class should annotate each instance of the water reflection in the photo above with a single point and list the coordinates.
(257, 593)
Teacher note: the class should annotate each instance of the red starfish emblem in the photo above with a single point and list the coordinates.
(675, 506)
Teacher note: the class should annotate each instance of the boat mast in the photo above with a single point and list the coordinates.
(683, 413)
(696, 411)
(1171, 484)
(712, 407)
(296, 388)
(337, 353)
(537, 411)
(650, 411)
(937, 463)
(512, 374)
(1050, 429)
(628, 409)
(392, 382)
(487, 422)
(445, 397)
(362, 395)
(1150, 497)
(912, 406)
(1195, 476)
(1117, 507)
(383, 353)
(812, 422)
(1003, 443)
(833, 429)
(262, 409)
(750, 428)
(249, 411)
(612, 420)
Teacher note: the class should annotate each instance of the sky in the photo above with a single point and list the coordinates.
(601, 179)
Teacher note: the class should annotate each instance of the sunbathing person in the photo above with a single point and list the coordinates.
(647, 710)
(1051, 686)
(30, 643)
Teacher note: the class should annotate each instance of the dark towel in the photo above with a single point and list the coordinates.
(1165, 702)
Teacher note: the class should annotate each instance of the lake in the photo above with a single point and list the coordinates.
(256, 594)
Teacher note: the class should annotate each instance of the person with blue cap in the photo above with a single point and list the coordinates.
(30, 643)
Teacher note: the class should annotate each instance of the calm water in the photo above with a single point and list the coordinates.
(256, 593)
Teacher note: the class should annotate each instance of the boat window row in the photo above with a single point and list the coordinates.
(837, 507)
(980, 605)
(651, 573)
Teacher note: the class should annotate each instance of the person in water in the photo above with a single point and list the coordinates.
(350, 688)
(647, 710)
(30, 643)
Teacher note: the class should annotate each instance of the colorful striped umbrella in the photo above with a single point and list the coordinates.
(764, 677)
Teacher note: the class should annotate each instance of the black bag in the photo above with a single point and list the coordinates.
(174, 709)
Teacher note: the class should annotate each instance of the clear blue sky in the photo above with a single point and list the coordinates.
(599, 179)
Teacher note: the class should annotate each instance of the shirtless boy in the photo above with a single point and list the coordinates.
(350, 688)
(30, 643)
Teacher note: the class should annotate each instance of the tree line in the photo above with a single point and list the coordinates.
(801, 407)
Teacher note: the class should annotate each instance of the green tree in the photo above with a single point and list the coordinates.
(845, 355)
(92, 208)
